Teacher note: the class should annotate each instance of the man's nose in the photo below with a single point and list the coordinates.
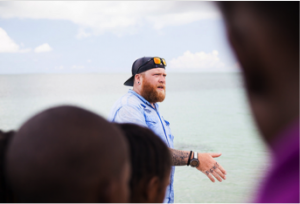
(162, 79)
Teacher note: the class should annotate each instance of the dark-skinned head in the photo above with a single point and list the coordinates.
(150, 164)
(265, 39)
(68, 154)
(6, 196)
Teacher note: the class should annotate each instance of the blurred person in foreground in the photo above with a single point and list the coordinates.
(6, 196)
(150, 164)
(139, 106)
(68, 154)
(265, 39)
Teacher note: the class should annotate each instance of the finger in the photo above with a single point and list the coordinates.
(221, 168)
(218, 171)
(214, 173)
(214, 155)
(209, 175)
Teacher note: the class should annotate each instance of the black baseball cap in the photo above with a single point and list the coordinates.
(143, 64)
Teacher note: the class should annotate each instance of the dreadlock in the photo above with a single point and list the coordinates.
(150, 156)
(5, 192)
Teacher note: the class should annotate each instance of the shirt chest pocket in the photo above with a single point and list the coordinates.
(151, 121)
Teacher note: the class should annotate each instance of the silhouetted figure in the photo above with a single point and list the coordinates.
(265, 39)
(150, 164)
(5, 193)
(68, 154)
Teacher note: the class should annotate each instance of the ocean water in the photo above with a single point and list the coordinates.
(207, 113)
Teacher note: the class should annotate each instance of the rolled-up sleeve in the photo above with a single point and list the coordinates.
(130, 114)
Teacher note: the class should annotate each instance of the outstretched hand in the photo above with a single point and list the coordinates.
(210, 167)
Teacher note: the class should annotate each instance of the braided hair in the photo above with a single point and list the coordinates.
(5, 192)
(150, 156)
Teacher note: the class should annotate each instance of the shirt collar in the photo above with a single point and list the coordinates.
(143, 99)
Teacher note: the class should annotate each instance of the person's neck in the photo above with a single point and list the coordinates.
(280, 110)
(136, 90)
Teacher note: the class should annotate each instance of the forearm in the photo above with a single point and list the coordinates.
(179, 157)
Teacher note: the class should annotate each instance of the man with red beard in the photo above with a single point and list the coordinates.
(140, 106)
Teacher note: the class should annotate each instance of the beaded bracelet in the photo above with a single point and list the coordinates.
(188, 163)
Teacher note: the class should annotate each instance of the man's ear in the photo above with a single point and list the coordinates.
(152, 190)
(250, 60)
(137, 77)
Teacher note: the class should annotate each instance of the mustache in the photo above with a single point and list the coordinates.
(161, 86)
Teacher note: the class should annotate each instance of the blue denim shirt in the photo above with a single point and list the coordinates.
(133, 108)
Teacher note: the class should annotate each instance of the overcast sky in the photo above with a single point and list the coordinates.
(85, 37)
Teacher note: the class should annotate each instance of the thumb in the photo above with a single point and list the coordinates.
(215, 154)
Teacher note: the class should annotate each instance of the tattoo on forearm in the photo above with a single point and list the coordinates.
(179, 157)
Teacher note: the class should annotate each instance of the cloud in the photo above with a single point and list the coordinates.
(97, 17)
(77, 67)
(200, 61)
(7, 45)
(43, 48)
(61, 67)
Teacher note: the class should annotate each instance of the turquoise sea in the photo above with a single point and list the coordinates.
(207, 112)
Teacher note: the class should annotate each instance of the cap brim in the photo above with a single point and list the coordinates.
(129, 81)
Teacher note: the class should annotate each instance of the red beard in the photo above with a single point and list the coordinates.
(151, 94)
